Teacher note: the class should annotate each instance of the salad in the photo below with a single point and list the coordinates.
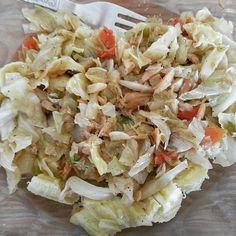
(119, 126)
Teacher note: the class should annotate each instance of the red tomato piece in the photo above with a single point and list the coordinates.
(188, 114)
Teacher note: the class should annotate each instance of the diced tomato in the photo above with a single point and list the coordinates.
(212, 136)
(106, 54)
(175, 21)
(184, 33)
(30, 43)
(107, 38)
(162, 157)
(188, 114)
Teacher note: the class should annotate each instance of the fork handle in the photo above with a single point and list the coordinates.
(56, 5)
(51, 4)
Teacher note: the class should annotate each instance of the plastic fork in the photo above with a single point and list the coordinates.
(96, 14)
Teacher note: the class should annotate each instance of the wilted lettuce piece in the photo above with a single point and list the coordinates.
(170, 199)
(161, 207)
(196, 127)
(7, 119)
(203, 35)
(47, 187)
(26, 125)
(154, 185)
(199, 157)
(13, 178)
(25, 163)
(60, 66)
(212, 60)
(6, 156)
(143, 162)
(192, 178)
(129, 154)
(62, 138)
(123, 185)
(222, 103)
(165, 82)
(19, 140)
(97, 75)
(204, 15)
(57, 84)
(181, 144)
(227, 155)
(182, 52)
(96, 87)
(174, 46)
(78, 86)
(85, 189)
(109, 110)
(50, 50)
(118, 136)
(159, 49)
(115, 167)
(25, 97)
(160, 122)
(228, 122)
(89, 222)
(135, 86)
(14, 67)
(223, 26)
(92, 109)
(116, 213)
(135, 55)
(14, 81)
(97, 160)
(58, 120)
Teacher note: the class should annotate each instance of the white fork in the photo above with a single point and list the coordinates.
(96, 14)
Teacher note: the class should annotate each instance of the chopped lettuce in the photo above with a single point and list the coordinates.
(97, 160)
(228, 122)
(159, 49)
(192, 178)
(142, 162)
(78, 86)
(212, 60)
(85, 189)
(115, 167)
(149, 188)
(226, 157)
(162, 207)
(47, 187)
(13, 178)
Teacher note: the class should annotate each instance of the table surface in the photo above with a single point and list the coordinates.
(209, 212)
